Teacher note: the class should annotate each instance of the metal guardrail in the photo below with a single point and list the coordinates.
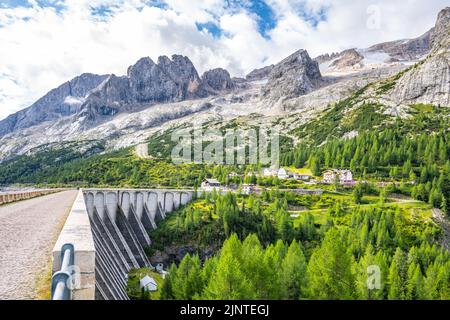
(62, 280)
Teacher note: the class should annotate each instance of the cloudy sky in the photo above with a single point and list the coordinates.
(44, 43)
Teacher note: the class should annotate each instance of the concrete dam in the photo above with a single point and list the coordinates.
(104, 238)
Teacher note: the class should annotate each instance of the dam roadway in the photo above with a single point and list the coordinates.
(28, 231)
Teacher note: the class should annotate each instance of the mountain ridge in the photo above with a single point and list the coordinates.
(126, 109)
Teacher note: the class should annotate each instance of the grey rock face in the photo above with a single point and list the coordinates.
(326, 57)
(259, 74)
(405, 50)
(294, 76)
(147, 82)
(104, 100)
(427, 83)
(347, 58)
(430, 81)
(62, 101)
(440, 36)
(166, 81)
(218, 79)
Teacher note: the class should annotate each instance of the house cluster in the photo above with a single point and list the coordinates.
(343, 177)
(281, 173)
(208, 185)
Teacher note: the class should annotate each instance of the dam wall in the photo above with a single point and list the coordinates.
(108, 229)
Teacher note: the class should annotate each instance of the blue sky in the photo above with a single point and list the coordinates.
(56, 4)
(265, 17)
(47, 42)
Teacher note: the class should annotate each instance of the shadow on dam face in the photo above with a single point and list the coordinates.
(108, 229)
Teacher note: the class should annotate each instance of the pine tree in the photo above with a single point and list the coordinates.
(330, 269)
(285, 228)
(414, 285)
(228, 281)
(397, 276)
(273, 258)
(293, 273)
(368, 286)
(444, 206)
(188, 282)
(167, 286)
(357, 194)
(254, 266)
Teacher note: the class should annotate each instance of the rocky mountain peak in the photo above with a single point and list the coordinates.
(296, 75)
(259, 74)
(218, 79)
(145, 63)
(429, 81)
(404, 50)
(169, 80)
(440, 36)
(59, 102)
(347, 58)
(326, 57)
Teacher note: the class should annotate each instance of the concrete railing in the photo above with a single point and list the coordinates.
(108, 229)
(77, 231)
(8, 197)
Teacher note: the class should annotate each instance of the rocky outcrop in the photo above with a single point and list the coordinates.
(429, 82)
(440, 36)
(294, 76)
(326, 57)
(346, 59)
(147, 82)
(259, 74)
(218, 80)
(405, 50)
(169, 80)
(62, 101)
(107, 99)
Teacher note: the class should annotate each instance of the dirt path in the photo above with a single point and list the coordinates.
(28, 230)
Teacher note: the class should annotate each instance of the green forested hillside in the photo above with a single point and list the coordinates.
(315, 258)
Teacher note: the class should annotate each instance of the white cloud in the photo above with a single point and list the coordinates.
(41, 48)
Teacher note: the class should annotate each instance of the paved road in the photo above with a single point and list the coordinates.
(142, 151)
(28, 231)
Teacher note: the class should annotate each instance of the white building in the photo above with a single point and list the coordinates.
(233, 175)
(343, 176)
(303, 177)
(282, 174)
(248, 188)
(210, 185)
(268, 172)
(148, 283)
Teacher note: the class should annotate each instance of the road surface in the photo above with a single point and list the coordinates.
(28, 232)
(142, 151)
